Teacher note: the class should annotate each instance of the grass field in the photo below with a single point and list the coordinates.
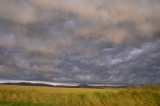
(11, 95)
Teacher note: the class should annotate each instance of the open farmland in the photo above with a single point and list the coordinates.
(13, 95)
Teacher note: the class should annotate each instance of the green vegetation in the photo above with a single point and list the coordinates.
(50, 96)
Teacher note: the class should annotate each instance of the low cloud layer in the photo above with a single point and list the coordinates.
(84, 41)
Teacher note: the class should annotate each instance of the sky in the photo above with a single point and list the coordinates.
(80, 41)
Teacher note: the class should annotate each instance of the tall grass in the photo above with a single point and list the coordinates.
(50, 96)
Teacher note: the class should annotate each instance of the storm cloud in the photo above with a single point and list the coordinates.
(82, 41)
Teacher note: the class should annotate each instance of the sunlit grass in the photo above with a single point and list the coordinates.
(51, 96)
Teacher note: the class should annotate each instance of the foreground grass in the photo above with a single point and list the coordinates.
(50, 96)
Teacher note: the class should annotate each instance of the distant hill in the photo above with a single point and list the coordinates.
(27, 84)
(62, 85)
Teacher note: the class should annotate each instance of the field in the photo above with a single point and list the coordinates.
(12, 95)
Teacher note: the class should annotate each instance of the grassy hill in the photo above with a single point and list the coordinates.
(13, 95)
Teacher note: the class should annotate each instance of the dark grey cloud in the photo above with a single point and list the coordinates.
(85, 41)
(131, 65)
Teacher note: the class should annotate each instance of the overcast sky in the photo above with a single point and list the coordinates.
(80, 41)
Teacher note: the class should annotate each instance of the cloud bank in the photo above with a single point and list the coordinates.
(81, 41)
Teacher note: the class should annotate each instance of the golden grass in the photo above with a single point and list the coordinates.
(11, 95)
